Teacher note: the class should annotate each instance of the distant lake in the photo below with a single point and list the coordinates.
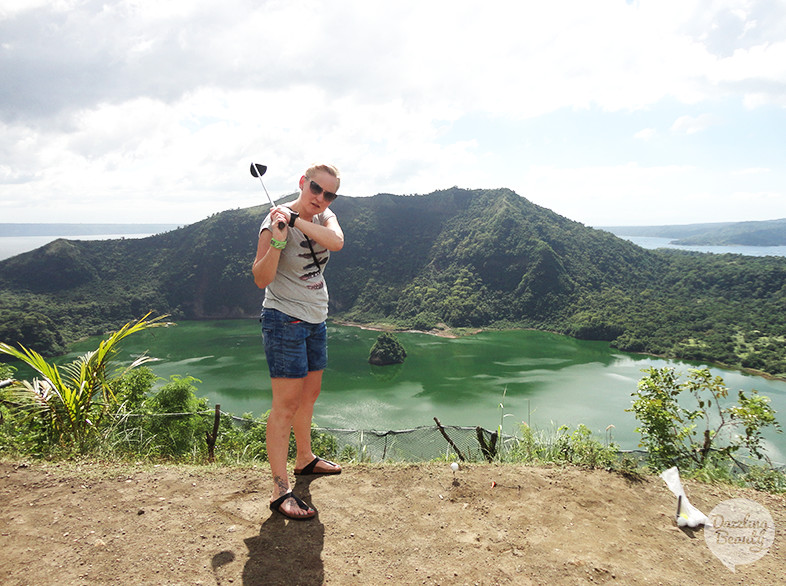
(43, 234)
(651, 242)
(543, 379)
(13, 245)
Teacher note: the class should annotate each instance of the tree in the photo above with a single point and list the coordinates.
(387, 350)
(676, 434)
(31, 328)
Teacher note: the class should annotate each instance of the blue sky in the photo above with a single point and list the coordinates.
(611, 112)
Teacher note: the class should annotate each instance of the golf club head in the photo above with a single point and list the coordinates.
(258, 170)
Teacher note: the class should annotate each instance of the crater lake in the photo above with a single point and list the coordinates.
(488, 379)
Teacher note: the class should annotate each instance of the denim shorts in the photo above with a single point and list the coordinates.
(293, 347)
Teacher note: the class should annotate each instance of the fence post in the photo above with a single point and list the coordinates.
(489, 450)
(450, 441)
(211, 437)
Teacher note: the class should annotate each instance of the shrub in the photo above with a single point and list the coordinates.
(704, 432)
(243, 439)
(132, 389)
(576, 447)
(766, 479)
(174, 420)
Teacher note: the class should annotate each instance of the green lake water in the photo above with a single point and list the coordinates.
(548, 380)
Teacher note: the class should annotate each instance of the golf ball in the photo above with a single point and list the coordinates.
(454, 466)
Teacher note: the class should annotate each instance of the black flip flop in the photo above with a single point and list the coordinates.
(275, 506)
(309, 469)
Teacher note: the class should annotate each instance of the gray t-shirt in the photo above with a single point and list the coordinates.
(299, 288)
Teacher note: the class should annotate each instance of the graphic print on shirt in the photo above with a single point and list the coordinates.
(311, 268)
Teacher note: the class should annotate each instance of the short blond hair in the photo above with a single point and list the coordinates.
(327, 168)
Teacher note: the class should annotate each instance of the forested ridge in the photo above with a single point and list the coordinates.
(757, 233)
(465, 258)
(765, 233)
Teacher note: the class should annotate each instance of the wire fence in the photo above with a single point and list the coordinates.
(418, 444)
(410, 445)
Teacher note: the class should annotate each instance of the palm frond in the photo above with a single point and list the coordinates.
(34, 360)
(68, 396)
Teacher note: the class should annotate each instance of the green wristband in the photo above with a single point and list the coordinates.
(279, 244)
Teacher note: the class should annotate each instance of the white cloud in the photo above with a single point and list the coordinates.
(646, 134)
(603, 195)
(635, 195)
(693, 124)
(752, 171)
(144, 108)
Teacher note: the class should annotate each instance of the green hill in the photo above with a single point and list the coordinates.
(765, 233)
(762, 233)
(466, 258)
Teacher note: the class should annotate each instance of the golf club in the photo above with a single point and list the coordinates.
(258, 170)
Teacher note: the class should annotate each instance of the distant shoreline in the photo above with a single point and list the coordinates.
(445, 331)
(14, 245)
(441, 331)
(12, 230)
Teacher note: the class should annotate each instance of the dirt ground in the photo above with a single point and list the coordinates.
(377, 524)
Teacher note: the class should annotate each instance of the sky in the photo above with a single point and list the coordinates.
(612, 112)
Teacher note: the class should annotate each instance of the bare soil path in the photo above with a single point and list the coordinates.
(75, 524)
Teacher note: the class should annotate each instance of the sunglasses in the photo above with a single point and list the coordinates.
(316, 189)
